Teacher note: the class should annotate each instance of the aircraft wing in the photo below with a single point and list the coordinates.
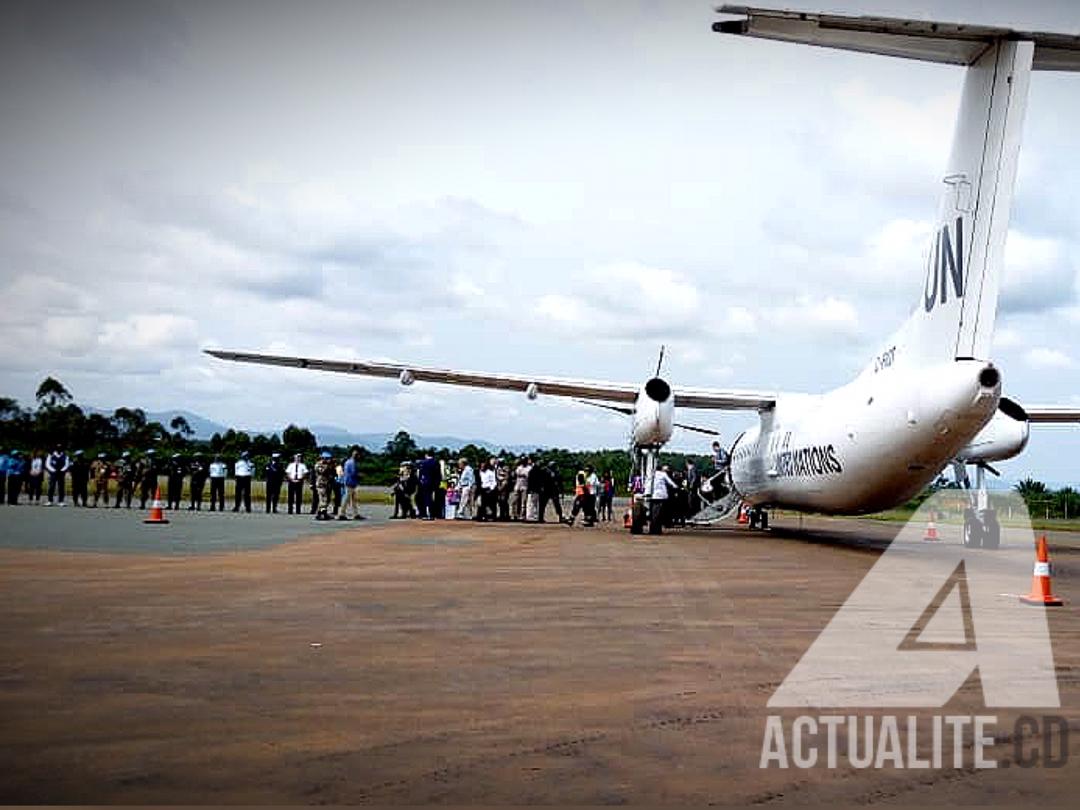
(1049, 415)
(702, 398)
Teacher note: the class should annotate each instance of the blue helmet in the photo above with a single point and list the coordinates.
(327, 454)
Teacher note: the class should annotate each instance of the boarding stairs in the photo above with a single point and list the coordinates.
(724, 503)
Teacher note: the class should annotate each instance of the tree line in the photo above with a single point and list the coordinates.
(56, 419)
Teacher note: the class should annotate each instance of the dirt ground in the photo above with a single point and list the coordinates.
(435, 662)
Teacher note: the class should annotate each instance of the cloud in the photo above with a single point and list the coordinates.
(131, 38)
(1041, 357)
(1038, 274)
(824, 316)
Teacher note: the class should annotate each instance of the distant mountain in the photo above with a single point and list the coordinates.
(204, 428)
(326, 434)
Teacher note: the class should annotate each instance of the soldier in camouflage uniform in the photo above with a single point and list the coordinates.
(325, 472)
(125, 479)
(99, 472)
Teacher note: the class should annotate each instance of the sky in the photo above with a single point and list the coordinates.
(553, 188)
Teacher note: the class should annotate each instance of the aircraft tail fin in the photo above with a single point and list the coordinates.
(954, 317)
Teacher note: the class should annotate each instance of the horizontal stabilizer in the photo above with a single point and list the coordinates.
(1050, 415)
(948, 43)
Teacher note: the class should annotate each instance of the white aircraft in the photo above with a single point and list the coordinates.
(930, 396)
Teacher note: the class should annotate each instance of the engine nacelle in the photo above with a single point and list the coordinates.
(1005, 435)
(654, 413)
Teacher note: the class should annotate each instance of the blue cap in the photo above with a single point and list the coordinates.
(327, 454)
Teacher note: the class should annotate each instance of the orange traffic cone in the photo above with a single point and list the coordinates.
(744, 514)
(156, 515)
(931, 529)
(1041, 593)
(628, 519)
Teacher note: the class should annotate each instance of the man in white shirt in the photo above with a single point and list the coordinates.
(660, 491)
(466, 486)
(521, 488)
(245, 469)
(295, 475)
(218, 471)
(488, 494)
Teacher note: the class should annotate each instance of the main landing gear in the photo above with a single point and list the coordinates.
(759, 518)
(981, 526)
(644, 466)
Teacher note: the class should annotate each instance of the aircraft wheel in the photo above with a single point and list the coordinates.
(992, 532)
(973, 530)
(764, 521)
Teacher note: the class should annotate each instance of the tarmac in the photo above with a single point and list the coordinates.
(251, 658)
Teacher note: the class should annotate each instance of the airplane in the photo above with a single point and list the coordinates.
(930, 396)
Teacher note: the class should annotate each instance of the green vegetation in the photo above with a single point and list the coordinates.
(57, 419)
(1047, 508)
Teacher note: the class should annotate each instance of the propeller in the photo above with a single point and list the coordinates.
(660, 362)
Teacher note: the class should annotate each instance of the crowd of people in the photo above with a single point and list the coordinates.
(499, 490)
(495, 489)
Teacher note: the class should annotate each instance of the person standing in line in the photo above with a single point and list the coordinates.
(275, 475)
(592, 494)
(466, 486)
(243, 473)
(551, 493)
(519, 494)
(404, 490)
(174, 483)
(661, 491)
(488, 493)
(99, 472)
(324, 480)
(57, 465)
(148, 477)
(5, 460)
(315, 487)
(605, 509)
(218, 471)
(534, 488)
(16, 474)
(80, 479)
(125, 480)
(582, 499)
(438, 495)
(504, 484)
(351, 480)
(693, 487)
(35, 477)
(429, 479)
(338, 487)
(295, 475)
(198, 482)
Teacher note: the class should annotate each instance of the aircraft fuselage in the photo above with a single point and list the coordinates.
(867, 446)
